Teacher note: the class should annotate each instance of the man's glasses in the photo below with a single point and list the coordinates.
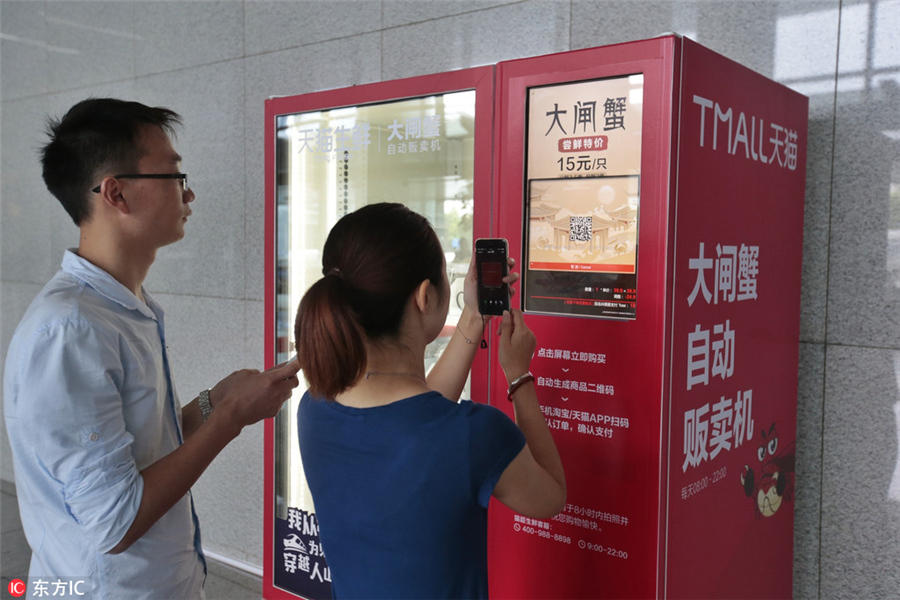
(182, 176)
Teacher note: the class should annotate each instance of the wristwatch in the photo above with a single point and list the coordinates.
(205, 406)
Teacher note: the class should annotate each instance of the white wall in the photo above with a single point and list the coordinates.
(215, 63)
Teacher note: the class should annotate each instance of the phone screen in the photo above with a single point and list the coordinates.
(491, 274)
(491, 264)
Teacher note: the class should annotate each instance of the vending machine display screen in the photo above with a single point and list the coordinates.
(582, 197)
(581, 246)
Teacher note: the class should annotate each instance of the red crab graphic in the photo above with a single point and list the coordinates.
(774, 483)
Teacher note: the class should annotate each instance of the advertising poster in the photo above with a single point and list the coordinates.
(300, 563)
(583, 186)
(736, 303)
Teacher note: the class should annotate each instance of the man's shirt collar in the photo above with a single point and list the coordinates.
(107, 285)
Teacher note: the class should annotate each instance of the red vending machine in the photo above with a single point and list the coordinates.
(652, 195)
(655, 192)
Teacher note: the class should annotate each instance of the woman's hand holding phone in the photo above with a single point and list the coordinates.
(470, 288)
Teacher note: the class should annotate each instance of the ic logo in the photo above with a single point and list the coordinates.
(17, 588)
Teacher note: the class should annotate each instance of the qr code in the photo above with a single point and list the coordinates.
(580, 229)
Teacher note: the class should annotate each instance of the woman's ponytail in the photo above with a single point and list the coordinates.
(331, 346)
(373, 260)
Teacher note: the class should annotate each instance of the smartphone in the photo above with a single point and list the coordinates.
(491, 267)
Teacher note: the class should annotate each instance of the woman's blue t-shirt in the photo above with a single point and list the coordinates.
(401, 492)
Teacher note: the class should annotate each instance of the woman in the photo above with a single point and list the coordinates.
(400, 473)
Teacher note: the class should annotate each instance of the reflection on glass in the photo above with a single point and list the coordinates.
(867, 55)
(894, 489)
(893, 287)
(329, 163)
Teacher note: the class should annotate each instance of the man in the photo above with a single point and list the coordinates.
(104, 455)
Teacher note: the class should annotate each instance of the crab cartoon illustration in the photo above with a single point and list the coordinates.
(772, 483)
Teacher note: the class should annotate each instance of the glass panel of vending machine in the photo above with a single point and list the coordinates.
(328, 162)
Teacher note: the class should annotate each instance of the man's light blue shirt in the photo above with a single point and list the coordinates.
(89, 403)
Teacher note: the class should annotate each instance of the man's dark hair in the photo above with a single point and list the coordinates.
(97, 135)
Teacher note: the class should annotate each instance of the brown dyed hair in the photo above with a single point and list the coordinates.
(374, 259)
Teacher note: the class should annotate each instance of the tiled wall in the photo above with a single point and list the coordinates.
(215, 63)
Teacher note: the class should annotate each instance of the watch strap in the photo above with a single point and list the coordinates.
(205, 405)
